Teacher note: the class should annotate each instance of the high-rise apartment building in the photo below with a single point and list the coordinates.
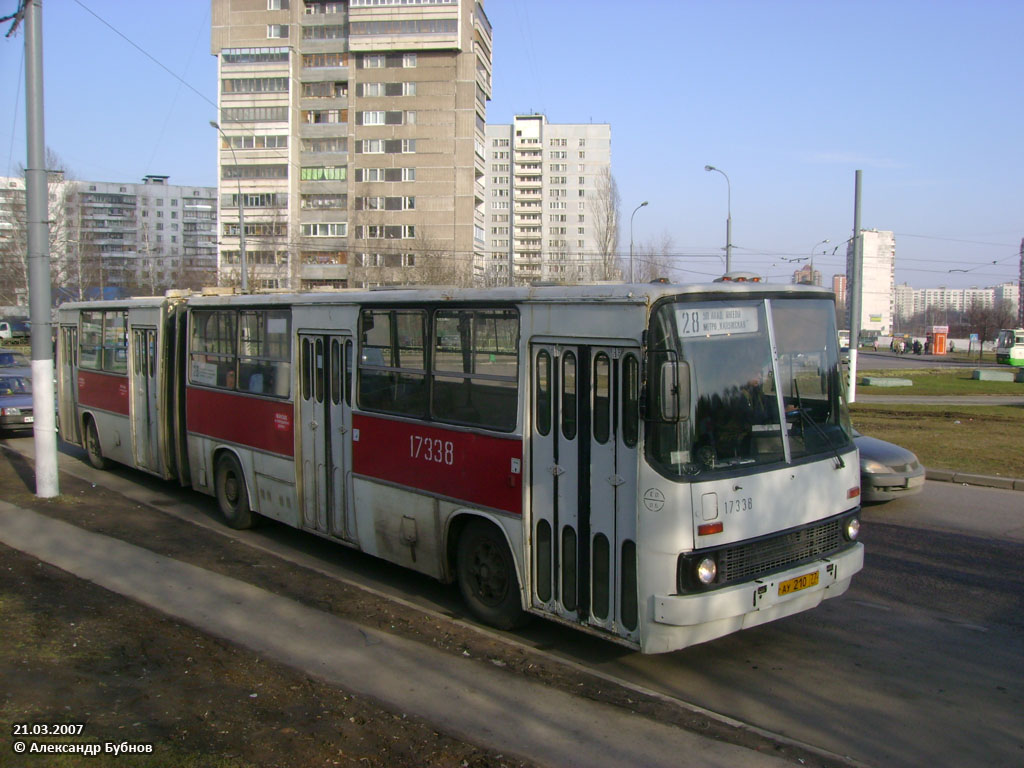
(117, 238)
(879, 279)
(839, 289)
(807, 275)
(352, 133)
(550, 213)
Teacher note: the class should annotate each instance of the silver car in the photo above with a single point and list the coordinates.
(887, 471)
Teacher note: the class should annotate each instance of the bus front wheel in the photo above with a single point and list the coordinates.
(92, 446)
(487, 576)
(232, 496)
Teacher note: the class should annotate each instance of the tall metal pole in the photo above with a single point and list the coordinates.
(37, 201)
(854, 290)
(631, 238)
(241, 211)
(728, 219)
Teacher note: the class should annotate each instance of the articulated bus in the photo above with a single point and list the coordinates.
(657, 464)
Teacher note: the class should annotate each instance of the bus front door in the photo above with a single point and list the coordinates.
(325, 423)
(583, 477)
(145, 425)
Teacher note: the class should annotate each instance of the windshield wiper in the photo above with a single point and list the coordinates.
(808, 419)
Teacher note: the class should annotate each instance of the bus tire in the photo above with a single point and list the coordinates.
(487, 576)
(92, 445)
(232, 496)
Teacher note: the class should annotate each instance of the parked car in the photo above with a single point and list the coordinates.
(887, 471)
(15, 401)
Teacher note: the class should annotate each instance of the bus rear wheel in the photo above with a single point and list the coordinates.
(92, 446)
(232, 496)
(487, 576)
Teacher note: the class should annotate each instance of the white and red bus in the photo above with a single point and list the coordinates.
(657, 464)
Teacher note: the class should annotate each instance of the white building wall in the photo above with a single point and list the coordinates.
(879, 280)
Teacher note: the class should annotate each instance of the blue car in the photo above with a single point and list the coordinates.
(15, 401)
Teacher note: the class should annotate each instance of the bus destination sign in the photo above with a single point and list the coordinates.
(716, 321)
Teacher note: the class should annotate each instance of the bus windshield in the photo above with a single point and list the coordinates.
(765, 385)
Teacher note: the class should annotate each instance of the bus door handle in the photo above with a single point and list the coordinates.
(616, 481)
(556, 470)
(314, 424)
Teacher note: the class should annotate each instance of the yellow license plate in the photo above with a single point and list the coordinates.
(800, 582)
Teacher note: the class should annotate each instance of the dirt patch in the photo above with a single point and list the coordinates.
(82, 653)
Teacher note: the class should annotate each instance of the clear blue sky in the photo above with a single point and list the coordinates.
(788, 98)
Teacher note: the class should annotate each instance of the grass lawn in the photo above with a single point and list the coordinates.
(987, 440)
(939, 381)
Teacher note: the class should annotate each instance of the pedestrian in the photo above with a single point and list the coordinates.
(876, 344)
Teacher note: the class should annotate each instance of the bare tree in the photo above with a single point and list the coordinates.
(986, 321)
(652, 259)
(604, 209)
(14, 240)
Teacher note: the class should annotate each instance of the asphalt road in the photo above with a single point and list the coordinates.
(920, 663)
(883, 359)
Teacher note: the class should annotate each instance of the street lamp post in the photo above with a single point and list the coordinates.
(823, 242)
(241, 212)
(728, 220)
(631, 239)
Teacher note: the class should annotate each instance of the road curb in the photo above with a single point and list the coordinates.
(968, 478)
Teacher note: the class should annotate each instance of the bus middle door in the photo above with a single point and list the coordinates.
(583, 479)
(325, 420)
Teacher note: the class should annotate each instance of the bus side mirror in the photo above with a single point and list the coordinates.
(674, 391)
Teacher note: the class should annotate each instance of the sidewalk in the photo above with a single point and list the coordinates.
(491, 708)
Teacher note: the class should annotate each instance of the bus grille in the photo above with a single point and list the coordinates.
(757, 558)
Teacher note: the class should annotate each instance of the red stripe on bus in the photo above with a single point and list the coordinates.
(479, 469)
(107, 391)
(251, 421)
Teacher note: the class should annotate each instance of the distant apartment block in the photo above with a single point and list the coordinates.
(548, 213)
(942, 301)
(116, 237)
(839, 289)
(879, 279)
(807, 275)
(352, 134)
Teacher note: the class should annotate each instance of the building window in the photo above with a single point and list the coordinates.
(324, 173)
(277, 5)
(277, 30)
(320, 60)
(326, 90)
(326, 229)
(255, 85)
(332, 144)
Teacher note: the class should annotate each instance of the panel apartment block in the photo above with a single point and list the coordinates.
(353, 133)
(547, 201)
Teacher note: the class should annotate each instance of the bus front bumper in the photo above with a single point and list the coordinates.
(760, 600)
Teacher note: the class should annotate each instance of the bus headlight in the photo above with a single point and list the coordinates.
(706, 571)
(851, 528)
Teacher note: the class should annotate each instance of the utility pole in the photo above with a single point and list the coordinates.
(855, 288)
(37, 200)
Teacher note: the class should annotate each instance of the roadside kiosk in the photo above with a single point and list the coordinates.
(937, 336)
